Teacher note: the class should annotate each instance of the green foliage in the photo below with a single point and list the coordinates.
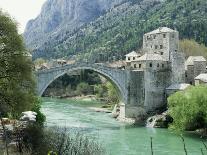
(17, 86)
(83, 88)
(189, 108)
(100, 90)
(40, 118)
(192, 48)
(39, 141)
(39, 61)
(113, 96)
(120, 30)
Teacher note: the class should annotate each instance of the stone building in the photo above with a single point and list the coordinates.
(162, 65)
(201, 79)
(194, 66)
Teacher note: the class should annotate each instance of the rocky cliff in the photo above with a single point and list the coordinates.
(59, 17)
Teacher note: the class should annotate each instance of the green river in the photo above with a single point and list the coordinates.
(115, 137)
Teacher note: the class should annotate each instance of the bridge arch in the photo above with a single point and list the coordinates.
(115, 76)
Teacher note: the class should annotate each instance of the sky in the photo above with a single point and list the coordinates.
(22, 10)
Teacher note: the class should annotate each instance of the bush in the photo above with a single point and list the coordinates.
(189, 108)
(40, 141)
(40, 118)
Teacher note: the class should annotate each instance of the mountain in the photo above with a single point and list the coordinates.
(58, 17)
(119, 30)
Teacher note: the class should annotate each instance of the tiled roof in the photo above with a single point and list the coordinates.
(151, 56)
(202, 77)
(161, 30)
(191, 59)
(133, 53)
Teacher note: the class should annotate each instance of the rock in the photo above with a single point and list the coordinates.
(29, 116)
(115, 112)
(159, 121)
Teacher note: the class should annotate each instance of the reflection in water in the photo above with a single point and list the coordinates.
(117, 138)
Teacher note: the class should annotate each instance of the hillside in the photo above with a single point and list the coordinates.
(120, 30)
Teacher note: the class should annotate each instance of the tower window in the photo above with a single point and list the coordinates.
(154, 36)
(133, 58)
(161, 53)
(128, 58)
(155, 46)
(161, 46)
(158, 65)
(164, 35)
(140, 65)
(150, 65)
(135, 65)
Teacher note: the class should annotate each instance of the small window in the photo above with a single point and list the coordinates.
(173, 36)
(133, 58)
(161, 46)
(158, 65)
(150, 65)
(128, 58)
(154, 36)
(155, 46)
(163, 65)
(140, 65)
(135, 65)
(164, 35)
(161, 53)
(151, 46)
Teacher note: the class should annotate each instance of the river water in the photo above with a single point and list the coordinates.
(115, 137)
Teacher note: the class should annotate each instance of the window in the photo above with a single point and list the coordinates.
(161, 53)
(173, 36)
(150, 65)
(128, 58)
(164, 35)
(163, 65)
(161, 46)
(140, 65)
(133, 58)
(155, 46)
(135, 65)
(158, 65)
(154, 36)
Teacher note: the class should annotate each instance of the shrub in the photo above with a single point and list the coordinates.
(189, 108)
(40, 141)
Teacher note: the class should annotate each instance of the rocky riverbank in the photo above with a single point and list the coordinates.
(159, 121)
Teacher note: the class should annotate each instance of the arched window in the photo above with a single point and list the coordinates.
(150, 64)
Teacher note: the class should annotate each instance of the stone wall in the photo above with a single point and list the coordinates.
(135, 93)
(155, 84)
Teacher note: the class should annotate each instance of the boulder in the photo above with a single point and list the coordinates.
(159, 121)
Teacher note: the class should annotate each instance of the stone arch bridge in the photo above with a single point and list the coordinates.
(130, 84)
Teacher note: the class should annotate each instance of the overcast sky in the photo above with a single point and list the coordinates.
(22, 10)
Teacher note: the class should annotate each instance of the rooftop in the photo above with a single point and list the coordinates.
(161, 30)
(133, 53)
(202, 77)
(150, 56)
(192, 59)
(180, 86)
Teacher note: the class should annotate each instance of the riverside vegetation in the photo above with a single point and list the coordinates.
(17, 94)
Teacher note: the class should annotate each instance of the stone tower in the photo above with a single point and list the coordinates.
(165, 41)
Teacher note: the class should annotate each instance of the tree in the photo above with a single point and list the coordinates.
(83, 88)
(191, 47)
(17, 87)
(189, 108)
(113, 96)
